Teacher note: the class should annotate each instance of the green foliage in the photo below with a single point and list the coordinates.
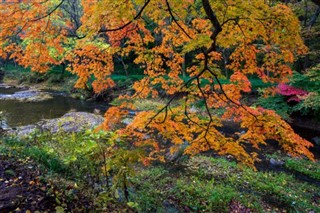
(16, 72)
(96, 160)
(209, 196)
(276, 103)
(257, 84)
(151, 188)
(55, 78)
(118, 78)
(104, 168)
(309, 81)
(120, 164)
(309, 105)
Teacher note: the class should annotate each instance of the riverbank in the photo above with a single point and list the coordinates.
(56, 80)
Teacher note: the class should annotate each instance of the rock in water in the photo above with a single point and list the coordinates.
(27, 96)
(70, 122)
(73, 122)
(316, 140)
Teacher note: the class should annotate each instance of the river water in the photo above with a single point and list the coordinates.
(18, 113)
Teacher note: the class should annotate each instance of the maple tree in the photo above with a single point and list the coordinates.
(168, 39)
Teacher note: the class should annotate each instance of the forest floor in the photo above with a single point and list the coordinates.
(20, 187)
(24, 187)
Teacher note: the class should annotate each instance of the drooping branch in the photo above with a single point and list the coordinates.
(217, 29)
(138, 15)
(176, 21)
(49, 13)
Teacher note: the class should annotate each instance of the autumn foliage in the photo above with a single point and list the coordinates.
(257, 38)
(294, 94)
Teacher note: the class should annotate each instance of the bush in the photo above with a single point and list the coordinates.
(309, 104)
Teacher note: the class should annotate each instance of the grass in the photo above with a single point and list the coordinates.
(299, 165)
(305, 167)
(211, 184)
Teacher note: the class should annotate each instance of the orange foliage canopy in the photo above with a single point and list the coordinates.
(253, 37)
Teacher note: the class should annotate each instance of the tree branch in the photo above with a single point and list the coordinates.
(314, 18)
(129, 22)
(176, 21)
(50, 12)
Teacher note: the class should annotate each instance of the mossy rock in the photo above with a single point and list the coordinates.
(70, 122)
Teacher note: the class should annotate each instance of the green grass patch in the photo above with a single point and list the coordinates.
(211, 184)
(306, 167)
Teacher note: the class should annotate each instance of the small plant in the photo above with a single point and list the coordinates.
(309, 81)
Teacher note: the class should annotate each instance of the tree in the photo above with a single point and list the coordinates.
(262, 37)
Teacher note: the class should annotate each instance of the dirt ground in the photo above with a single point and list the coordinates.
(21, 188)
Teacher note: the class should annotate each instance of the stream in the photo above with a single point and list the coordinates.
(17, 113)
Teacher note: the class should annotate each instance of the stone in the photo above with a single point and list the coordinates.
(30, 95)
(73, 122)
(276, 163)
(316, 140)
(70, 122)
(127, 121)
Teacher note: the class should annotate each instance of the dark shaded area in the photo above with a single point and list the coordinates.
(20, 187)
(1, 75)
(23, 187)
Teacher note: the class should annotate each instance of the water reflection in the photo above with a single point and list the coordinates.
(20, 113)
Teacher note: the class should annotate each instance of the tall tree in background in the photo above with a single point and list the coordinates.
(262, 39)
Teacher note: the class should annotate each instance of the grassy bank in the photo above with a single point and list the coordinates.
(84, 164)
